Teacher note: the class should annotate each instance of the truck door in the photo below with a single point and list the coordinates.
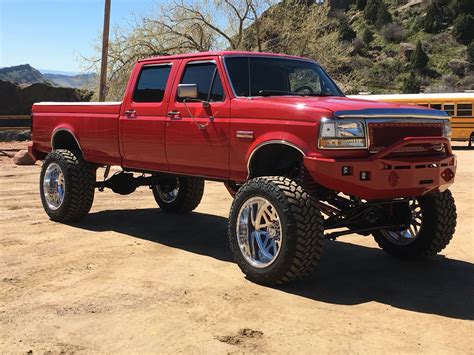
(197, 133)
(143, 116)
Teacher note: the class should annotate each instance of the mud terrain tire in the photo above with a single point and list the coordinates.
(188, 195)
(79, 186)
(300, 228)
(437, 228)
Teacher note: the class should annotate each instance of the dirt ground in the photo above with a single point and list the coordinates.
(130, 279)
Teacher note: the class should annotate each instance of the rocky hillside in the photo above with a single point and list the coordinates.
(26, 75)
(408, 45)
(81, 81)
(22, 74)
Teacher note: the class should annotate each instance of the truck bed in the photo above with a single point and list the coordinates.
(95, 125)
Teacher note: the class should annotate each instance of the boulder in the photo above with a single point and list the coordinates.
(23, 158)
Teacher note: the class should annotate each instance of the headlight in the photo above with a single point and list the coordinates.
(342, 134)
(447, 129)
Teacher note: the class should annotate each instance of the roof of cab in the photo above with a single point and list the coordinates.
(217, 53)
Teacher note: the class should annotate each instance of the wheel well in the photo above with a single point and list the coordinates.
(275, 159)
(65, 140)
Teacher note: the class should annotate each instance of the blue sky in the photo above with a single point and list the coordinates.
(53, 34)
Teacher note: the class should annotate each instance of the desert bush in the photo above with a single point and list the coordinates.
(458, 67)
(358, 46)
(392, 33)
(411, 84)
(470, 52)
(463, 28)
(367, 36)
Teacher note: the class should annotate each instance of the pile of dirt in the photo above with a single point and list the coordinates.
(17, 100)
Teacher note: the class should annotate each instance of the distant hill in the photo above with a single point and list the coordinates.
(27, 75)
(22, 74)
(81, 81)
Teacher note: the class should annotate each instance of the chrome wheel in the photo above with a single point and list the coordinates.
(410, 234)
(54, 187)
(259, 232)
(168, 193)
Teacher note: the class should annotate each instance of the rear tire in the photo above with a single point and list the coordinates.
(275, 230)
(67, 185)
(438, 223)
(180, 195)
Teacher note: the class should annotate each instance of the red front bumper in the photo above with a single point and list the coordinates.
(382, 177)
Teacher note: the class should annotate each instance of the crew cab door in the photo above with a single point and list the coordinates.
(197, 133)
(144, 115)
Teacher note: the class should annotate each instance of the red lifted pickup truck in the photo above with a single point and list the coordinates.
(303, 162)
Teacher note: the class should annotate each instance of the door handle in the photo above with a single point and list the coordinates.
(131, 114)
(174, 115)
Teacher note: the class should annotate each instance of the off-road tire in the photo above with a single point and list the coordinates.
(302, 230)
(189, 196)
(79, 177)
(437, 229)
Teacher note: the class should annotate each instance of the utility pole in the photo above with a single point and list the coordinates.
(105, 52)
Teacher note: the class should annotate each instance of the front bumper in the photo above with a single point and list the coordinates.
(384, 177)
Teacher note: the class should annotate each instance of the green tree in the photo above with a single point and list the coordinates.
(370, 11)
(470, 52)
(411, 84)
(419, 59)
(346, 33)
(457, 7)
(367, 36)
(435, 18)
(463, 28)
(361, 4)
(383, 16)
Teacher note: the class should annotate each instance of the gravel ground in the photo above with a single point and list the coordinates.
(130, 279)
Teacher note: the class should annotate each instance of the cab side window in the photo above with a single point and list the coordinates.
(151, 83)
(206, 77)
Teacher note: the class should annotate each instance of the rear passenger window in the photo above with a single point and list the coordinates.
(436, 106)
(206, 76)
(464, 110)
(152, 83)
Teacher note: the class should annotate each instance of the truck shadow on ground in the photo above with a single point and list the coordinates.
(349, 274)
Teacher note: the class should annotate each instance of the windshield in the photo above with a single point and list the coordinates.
(264, 76)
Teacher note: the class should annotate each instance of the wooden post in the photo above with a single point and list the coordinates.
(105, 52)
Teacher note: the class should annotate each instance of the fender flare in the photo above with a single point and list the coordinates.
(282, 138)
(64, 129)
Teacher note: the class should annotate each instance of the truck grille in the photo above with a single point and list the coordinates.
(384, 134)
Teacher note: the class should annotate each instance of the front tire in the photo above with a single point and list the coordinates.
(67, 185)
(179, 195)
(275, 230)
(432, 228)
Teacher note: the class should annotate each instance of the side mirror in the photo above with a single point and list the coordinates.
(187, 91)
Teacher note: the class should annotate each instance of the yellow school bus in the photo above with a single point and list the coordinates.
(457, 105)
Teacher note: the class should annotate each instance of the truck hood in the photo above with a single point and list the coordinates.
(349, 107)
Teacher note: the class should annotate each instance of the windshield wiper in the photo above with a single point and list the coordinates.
(279, 92)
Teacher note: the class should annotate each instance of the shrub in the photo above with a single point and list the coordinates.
(367, 36)
(419, 59)
(470, 53)
(457, 7)
(458, 67)
(383, 16)
(370, 11)
(435, 18)
(463, 28)
(346, 33)
(361, 4)
(411, 84)
(392, 33)
(358, 46)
